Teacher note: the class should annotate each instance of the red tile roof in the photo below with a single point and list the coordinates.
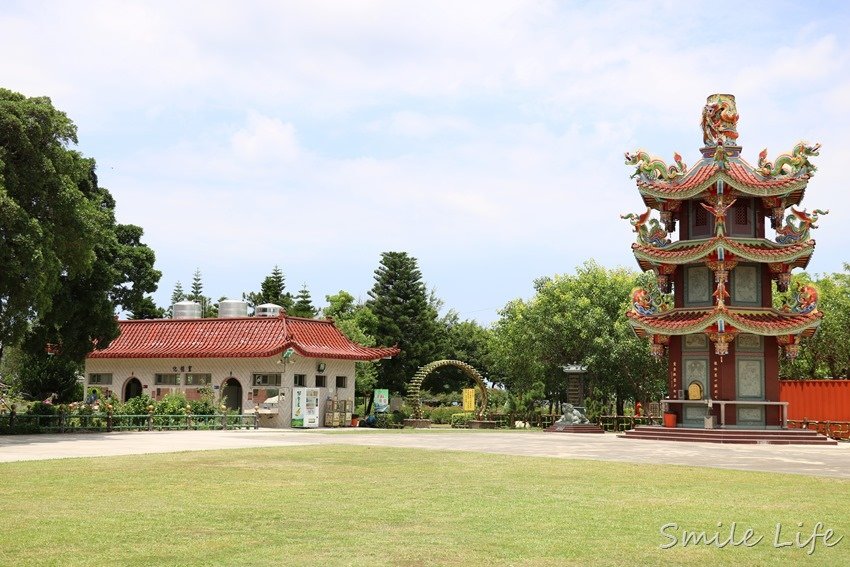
(739, 174)
(244, 337)
(753, 249)
(759, 321)
(743, 173)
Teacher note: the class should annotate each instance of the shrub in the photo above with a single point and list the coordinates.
(40, 408)
(461, 420)
(136, 406)
(441, 414)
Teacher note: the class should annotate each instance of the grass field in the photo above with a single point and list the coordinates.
(377, 506)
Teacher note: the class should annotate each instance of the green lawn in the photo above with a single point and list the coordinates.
(376, 506)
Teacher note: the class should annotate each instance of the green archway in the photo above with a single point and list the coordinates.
(415, 384)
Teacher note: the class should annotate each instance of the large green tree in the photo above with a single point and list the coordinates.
(66, 264)
(580, 319)
(404, 317)
(466, 341)
(355, 321)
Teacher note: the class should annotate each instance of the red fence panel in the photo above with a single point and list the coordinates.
(821, 400)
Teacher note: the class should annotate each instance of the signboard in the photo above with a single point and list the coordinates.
(382, 401)
(469, 399)
(298, 395)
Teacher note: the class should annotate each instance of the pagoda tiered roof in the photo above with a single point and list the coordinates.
(736, 173)
(761, 250)
(715, 182)
(756, 320)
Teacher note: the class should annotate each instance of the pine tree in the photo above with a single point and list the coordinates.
(303, 306)
(197, 286)
(178, 294)
(272, 290)
(404, 317)
(197, 295)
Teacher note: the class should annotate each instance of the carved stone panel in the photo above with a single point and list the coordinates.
(698, 286)
(749, 378)
(695, 342)
(750, 415)
(749, 343)
(746, 286)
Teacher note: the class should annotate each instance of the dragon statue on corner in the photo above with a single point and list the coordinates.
(654, 168)
(649, 231)
(805, 299)
(797, 226)
(644, 302)
(797, 162)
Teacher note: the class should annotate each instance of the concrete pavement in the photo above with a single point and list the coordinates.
(807, 460)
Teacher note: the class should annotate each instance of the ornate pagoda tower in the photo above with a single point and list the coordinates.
(713, 310)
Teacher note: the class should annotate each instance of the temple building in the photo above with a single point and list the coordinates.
(712, 311)
(245, 361)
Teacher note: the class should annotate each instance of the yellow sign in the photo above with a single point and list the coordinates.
(469, 399)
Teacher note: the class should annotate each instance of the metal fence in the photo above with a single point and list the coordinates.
(100, 422)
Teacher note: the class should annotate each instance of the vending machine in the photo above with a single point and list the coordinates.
(305, 407)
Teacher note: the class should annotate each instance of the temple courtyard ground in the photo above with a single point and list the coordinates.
(816, 461)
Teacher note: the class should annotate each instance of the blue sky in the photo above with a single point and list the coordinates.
(484, 138)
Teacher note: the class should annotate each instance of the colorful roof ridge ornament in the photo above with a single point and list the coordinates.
(649, 231)
(650, 168)
(797, 225)
(793, 164)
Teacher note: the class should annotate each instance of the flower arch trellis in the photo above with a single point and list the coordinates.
(413, 387)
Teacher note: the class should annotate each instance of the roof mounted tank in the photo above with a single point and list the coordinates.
(186, 310)
(231, 308)
(267, 310)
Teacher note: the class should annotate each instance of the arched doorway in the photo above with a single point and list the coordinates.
(416, 383)
(231, 394)
(132, 389)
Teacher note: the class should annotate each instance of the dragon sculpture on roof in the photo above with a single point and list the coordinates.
(649, 231)
(795, 163)
(797, 226)
(653, 168)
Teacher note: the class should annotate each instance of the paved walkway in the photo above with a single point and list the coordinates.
(808, 460)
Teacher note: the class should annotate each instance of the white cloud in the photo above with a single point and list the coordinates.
(315, 135)
(265, 139)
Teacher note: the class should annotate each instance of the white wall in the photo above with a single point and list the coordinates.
(222, 369)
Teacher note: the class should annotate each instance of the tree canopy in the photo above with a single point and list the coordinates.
(577, 319)
(824, 355)
(355, 321)
(67, 264)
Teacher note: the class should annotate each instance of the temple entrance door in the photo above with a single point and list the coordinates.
(132, 389)
(695, 383)
(231, 394)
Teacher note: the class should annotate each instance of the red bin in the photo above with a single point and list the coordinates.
(669, 420)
